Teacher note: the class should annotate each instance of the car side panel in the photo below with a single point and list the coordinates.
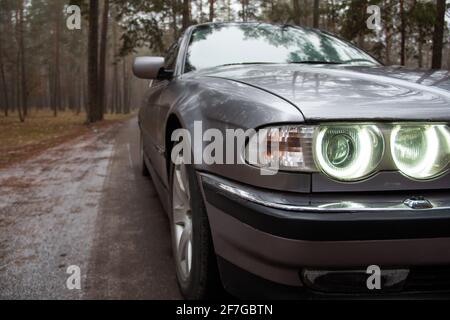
(150, 125)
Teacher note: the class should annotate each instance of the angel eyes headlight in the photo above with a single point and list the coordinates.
(348, 152)
(352, 152)
(421, 151)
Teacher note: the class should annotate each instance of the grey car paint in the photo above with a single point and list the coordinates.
(336, 93)
(278, 259)
(256, 96)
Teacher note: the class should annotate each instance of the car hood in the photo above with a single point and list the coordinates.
(324, 92)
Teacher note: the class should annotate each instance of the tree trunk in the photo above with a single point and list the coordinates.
(115, 81)
(126, 102)
(420, 50)
(438, 35)
(402, 33)
(200, 11)
(18, 96)
(388, 32)
(102, 58)
(94, 110)
(211, 10)
(57, 73)
(244, 10)
(316, 14)
(297, 12)
(186, 14)
(361, 40)
(23, 81)
(174, 19)
(3, 78)
(82, 92)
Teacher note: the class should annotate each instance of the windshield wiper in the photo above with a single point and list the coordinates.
(244, 63)
(358, 60)
(315, 62)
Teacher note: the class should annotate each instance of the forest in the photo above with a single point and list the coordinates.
(44, 65)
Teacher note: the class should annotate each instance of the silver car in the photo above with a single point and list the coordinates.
(361, 188)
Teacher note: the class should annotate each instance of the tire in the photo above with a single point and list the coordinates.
(143, 169)
(202, 281)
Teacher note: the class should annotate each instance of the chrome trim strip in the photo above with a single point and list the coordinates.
(247, 194)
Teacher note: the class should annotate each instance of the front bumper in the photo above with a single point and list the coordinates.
(276, 237)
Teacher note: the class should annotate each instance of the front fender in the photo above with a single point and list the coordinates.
(226, 104)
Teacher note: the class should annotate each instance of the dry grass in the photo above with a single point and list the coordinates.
(41, 130)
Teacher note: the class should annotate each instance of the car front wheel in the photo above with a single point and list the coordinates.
(193, 251)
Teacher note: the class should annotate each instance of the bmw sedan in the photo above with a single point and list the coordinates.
(293, 164)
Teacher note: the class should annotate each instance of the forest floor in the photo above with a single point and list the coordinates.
(41, 130)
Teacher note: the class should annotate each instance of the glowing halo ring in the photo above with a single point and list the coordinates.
(432, 160)
(370, 146)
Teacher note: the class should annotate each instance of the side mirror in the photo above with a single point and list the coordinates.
(150, 68)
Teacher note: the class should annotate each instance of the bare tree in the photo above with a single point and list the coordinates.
(186, 14)
(297, 12)
(115, 105)
(21, 82)
(316, 14)
(174, 13)
(402, 33)
(211, 10)
(94, 110)
(2, 74)
(102, 58)
(126, 86)
(438, 35)
(244, 4)
(388, 30)
(56, 85)
(200, 11)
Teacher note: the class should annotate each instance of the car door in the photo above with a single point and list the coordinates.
(160, 98)
(147, 118)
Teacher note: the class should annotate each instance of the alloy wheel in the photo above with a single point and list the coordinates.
(182, 219)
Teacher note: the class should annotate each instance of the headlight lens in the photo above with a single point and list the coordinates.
(284, 147)
(421, 151)
(352, 152)
(348, 152)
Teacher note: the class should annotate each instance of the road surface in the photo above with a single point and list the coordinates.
(85, 204)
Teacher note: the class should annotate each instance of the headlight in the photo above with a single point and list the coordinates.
(421, 151)
(284, 147)
(348, 152)
(352, 152)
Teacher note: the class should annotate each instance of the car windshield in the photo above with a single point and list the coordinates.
(221, 44)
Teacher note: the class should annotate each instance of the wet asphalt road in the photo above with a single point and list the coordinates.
(86, 204)
(132, 256)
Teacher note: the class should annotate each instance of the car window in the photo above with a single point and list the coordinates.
(216, 44)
